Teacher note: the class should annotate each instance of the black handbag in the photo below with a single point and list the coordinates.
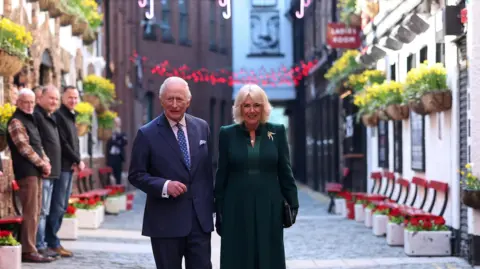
(287, 215)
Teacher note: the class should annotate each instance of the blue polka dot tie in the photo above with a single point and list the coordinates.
(182, 142)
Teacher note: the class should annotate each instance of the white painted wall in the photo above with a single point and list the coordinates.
(441, 130)
(241, 39)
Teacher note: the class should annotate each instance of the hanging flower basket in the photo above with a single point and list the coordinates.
(437, 101)
(397, 112)
(45, 4)
(54, 10)
(9, 65)
(104, 134)
(82, 129)
(89, 36)
(418, 107)
(471, 198)
(92, 99)
(79, 27)
(382, 114)
(66, 19)
(355, 20)
(370, 119)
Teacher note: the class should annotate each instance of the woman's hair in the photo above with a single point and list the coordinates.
(258, 95)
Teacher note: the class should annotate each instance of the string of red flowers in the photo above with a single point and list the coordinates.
(282, 77)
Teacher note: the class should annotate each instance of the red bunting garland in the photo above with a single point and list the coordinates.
(283, 77)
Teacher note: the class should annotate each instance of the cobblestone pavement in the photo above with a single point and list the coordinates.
(318, 240)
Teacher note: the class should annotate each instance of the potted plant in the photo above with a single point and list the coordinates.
(84, 112)
(94, 20)
(69, 14)
(116, 201)
(45, 4)
(395, 107)
(99, 91)
(358, 82)
(427, 236)
(89, 212)
(470, 187)
(360, 210)
(426, 89)
(14, 43)
(341, 69)
(349, 13)
(106, 123)
(69, 228)
(368, 215)
(6, 112)
(10, 251)
(380, 220)
(395, 228)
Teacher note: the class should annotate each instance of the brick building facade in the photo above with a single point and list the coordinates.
(191, 33)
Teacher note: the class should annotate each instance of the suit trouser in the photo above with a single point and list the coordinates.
(30, 194)
(195, 247)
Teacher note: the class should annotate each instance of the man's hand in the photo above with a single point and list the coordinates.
(176, 188)
(46, 170)
(1, 174)
(81, 166)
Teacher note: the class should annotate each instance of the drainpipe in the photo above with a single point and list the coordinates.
(107, 38)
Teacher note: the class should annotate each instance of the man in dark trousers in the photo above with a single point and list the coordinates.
(30, 164)
(116, 151)
(47, 126)
(62, 187)
(172, 163)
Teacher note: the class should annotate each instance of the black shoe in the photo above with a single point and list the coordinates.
(49, 253)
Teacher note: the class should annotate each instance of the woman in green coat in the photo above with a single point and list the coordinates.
(253, 180)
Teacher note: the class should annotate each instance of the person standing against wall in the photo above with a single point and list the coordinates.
(116, 151)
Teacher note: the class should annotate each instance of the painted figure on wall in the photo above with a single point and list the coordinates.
(264, 32)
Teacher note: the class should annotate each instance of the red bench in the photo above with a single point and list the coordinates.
(334, 189)
(13, 223)
(374, 194)
(427, 211)
(85, 186)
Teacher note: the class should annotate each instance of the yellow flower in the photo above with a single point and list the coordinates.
(342, 64)
(468, 166)
(84, 108)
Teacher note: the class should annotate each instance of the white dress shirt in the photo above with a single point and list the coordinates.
(183, 125)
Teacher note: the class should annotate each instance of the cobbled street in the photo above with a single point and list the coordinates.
(318, 240)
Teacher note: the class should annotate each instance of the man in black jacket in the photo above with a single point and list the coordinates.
(71, 160)
(47, 126)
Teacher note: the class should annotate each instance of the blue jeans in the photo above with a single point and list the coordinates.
(47, 190)
(62, 189)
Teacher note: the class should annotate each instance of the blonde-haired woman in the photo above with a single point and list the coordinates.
(254, 180)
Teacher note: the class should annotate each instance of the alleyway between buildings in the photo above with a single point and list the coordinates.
(318, 240)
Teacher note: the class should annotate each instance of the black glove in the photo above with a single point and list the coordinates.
(294, 214)
(218, 224)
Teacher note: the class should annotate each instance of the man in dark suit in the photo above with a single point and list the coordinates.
(171, 162)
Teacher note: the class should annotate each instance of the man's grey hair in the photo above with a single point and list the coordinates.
(25, 92)
(163, 87)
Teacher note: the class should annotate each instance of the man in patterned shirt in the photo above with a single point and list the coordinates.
(30, 164)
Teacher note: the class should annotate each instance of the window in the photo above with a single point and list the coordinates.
(423, 54)
(223, 35)
(166, 22)
(440, 53)
(213, 26)
(184, 22)
(393, 72)
(411, 62)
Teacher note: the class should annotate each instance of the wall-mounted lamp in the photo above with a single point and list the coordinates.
(403, 34)
(416, 23)
(390, 43)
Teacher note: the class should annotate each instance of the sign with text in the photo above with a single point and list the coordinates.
(340, 36)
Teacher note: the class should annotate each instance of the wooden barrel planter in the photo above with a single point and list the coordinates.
(104, 134)
(89, 36)
(471, 198)
(66, 19)
(370, 119)
(54, 10)
(437, 101)
(45, 4)
(418, 107)
(355, 20)
(397, 112)
(82, 129)
(79, 27)
(9, 65)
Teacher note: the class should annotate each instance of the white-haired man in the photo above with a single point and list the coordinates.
(30, 164)
(172, 163)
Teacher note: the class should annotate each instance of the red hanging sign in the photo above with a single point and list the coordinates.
(339, 36)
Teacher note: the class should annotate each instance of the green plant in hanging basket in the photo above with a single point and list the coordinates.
(14, 39)
(84, 113)
(425, 79)
(469, 181)
(100, 87)
(106, 120)
(358, 82)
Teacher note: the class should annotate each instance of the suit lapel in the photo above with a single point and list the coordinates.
(166, 132)
(193, 142)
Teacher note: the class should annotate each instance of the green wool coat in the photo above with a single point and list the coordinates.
(250, 187)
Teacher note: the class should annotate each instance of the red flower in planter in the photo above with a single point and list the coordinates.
(427, 225)
(395, 212)
(71, 210)
(5, 233)
(414, 222)
(92, 201)
(439, 221)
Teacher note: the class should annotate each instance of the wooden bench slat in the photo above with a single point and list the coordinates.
(420, 182)
(11, 220)
(438, 185)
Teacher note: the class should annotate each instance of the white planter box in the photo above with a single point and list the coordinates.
(368, 217)
(69, 229)
(90, 219)
(359, 213)
(427, 243)
(115, 205)
(395, 234)
(101, 214)
(340, 206)
(11, 257)
(379, 224)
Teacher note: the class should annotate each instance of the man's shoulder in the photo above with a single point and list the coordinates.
(149, 126)
(197, 120)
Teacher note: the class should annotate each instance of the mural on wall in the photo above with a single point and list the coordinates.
(264, 3)
(264, 32)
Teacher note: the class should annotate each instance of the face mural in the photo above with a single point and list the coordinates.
(264, 32)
